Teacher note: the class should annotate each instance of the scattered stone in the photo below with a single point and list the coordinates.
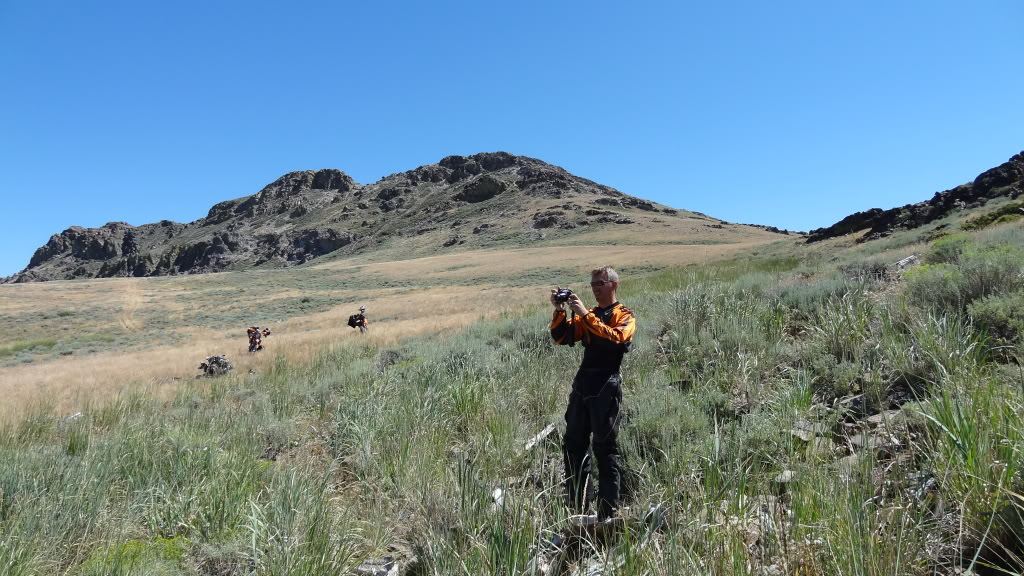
(849, 465)
(604, 567)
(69, 418)
(821, 446)
(547, 431)
(386, 566)
(864, 441)
(906, 262)
(785, 477)
(888, 416)
(805, 435)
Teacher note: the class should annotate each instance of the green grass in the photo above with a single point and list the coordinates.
(1009, 212)
(27, 345)
(310, 468)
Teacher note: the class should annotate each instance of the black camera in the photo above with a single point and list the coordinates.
(562, 295)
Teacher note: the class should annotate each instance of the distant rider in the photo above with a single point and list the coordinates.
(256, 337)
(359, 320)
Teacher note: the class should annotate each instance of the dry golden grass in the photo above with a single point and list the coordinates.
(510, 262)
(491, 282)
(68, 383)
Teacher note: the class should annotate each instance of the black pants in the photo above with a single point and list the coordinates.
(593, 411)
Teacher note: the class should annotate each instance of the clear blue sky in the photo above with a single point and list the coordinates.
(792, 114)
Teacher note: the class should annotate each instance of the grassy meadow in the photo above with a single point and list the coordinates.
(789, 410)
(72, 342)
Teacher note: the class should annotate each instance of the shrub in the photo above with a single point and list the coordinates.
(811, 297)
(160, 556)
(980, 271)
(866, 270)
(16, 347)
(1002, 317)
(832, 378)
(1007, 213)
(991, 270)
(843, 326)
(947, 250)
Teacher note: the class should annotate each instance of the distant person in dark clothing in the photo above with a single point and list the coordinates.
(359, 320)
(593, 411)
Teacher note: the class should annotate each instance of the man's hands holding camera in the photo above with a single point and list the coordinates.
(559, 299)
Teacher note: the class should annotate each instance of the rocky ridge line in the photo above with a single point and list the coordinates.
(1007, 179)
(307, 214)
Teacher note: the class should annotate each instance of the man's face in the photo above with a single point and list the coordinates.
(602, 287)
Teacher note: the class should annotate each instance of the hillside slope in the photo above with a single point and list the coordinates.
(1007, 179)
(484, 200)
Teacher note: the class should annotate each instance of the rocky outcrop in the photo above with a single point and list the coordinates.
(1006, 179)
(84, 243)
(551, 219)
(316, 242)
(482, 188)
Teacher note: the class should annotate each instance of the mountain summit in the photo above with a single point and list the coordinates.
(484, 200)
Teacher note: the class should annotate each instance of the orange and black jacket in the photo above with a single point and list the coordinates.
(604, 332)
(257, 333)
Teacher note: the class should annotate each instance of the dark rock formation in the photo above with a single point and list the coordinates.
(550, 219)
(1006, 179)
(483, 188)
(84, 243)
(317, 242)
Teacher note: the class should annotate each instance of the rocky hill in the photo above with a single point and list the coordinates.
(1007, 179)
(489, 199)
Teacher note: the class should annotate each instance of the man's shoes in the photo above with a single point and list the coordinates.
(605, 512)
(609, 528)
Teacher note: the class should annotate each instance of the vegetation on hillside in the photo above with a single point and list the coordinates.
(1008, 212)
(788, 416)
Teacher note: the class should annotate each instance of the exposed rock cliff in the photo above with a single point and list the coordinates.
(1007, 179)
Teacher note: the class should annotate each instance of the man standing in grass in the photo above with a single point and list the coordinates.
(605, 332)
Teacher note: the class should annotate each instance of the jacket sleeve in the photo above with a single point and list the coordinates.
(620, 331)
(560, 327)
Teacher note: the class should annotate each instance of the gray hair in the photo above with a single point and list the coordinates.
(607, 271)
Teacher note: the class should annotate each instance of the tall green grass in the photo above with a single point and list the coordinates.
(365, 453)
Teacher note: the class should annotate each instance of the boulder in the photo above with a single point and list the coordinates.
(483, 188)
(550, 219)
